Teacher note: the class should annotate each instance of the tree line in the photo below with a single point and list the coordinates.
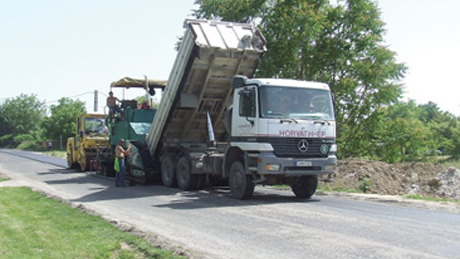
(341, 44)
(25, 123)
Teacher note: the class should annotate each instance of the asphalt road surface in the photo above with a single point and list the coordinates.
(274, 224)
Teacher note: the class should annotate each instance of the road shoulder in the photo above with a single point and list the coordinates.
(449, 207)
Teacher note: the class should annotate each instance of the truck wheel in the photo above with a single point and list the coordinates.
(168, 171)
(241, 185)
(69, 148)
(185, 179)
(70, 163)
(305, 187)
(84, 162)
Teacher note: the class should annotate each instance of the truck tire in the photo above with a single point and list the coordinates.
(168, 171)
(70, 163)
(305, 187)
(241, 185)
(185, 179)
(83, 160)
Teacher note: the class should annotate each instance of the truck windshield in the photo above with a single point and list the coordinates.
(295, 102)
(95, 126)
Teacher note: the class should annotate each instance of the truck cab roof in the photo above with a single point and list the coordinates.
(288, 83)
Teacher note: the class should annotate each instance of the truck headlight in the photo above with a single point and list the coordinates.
(270, 167)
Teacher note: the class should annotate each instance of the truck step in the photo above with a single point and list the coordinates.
(252, 168)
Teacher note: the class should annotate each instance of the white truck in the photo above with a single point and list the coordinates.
(214, 123)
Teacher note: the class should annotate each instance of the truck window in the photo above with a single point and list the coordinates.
(94, 125)
(249, 102)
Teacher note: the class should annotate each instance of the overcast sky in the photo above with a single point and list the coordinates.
(66, 48)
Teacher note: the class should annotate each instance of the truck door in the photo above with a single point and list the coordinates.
(245, 123)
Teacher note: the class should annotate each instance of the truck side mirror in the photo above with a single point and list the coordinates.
(238, 81)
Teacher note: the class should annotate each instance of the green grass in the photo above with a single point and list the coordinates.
(451, 162)
(328, 188)
(56, 153)
(30, 145)
(33, 226)
(427, 198)
(3, 179)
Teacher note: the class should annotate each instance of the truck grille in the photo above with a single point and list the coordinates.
(289, 147)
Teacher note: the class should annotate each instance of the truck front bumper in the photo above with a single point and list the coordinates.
(269, 164)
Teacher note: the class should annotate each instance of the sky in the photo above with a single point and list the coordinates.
(64, 48)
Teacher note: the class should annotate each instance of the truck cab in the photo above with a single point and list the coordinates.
(90, 135)
(285, 130)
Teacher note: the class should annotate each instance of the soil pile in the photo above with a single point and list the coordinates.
(427, 179)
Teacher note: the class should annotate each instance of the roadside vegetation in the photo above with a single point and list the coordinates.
(428, 198)
(56, 153)
(366, 184)
(34, 226)
(455, 162)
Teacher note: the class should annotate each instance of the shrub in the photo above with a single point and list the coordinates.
(30, 145)
(365, 185)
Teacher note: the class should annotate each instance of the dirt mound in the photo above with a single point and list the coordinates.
(427, 179)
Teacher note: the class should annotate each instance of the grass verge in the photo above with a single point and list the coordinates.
(427, 198)
(34, 226)
(451, 162)
(56, 153)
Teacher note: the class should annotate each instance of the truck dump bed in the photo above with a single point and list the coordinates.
(211, 53)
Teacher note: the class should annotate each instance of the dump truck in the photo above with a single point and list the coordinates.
(90, 135)
(215, 123)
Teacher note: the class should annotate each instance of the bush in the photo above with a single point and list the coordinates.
(365, 185)
(23, 137)
(8, 141)
(30, 145)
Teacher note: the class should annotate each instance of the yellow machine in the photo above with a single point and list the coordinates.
(91, 133)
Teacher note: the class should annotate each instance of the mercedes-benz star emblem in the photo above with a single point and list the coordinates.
(303, 146)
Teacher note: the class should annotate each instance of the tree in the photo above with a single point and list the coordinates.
(6, 127)
(455, 152)
(6, 130)
(62, 122)
(341, 45)
(420, 131)
(23, 115)
(404, 137)
(442, 126)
